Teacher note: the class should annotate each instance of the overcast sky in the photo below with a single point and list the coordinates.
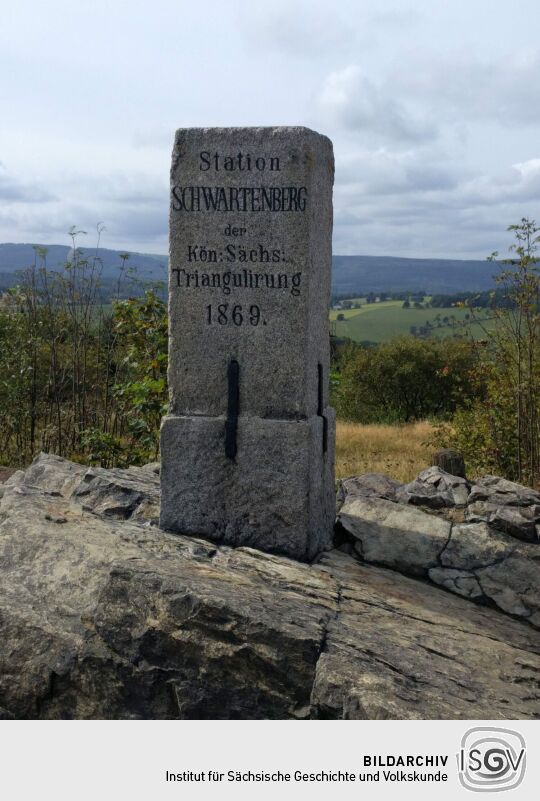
(433, 108)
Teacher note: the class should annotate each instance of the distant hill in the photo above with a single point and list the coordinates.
(351, 274)
(360, 274)
(14, 257)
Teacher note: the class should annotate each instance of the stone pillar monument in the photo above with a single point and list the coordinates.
(247, 450)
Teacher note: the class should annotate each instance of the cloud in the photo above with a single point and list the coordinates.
(518, 184)
(132, 189)
(504, 88)
(13, 190)
(133, 206)
(297, 28)
(391, 205)
(141, 224)
(383, 171)
(349, 99)
(425, 162)
(395, 18)
(159, 138)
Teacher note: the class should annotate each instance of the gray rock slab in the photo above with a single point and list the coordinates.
(515, 511)
(123, 493)
(395, 535)
(519, 522)
(435, 489)
(473, 560)
(461, 582)
(120, 493)
(475, 545)
(272, 497)
(54, 474)
(108, 618)
(506, 570)
(402, 649)
(16, 478)
(514, 585)
(103, 618)
(480, 511)
(500, 491)
(370, 485)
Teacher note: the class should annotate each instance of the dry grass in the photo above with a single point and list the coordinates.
(399, 451)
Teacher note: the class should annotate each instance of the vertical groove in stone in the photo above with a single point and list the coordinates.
(233, 405)
(320, 406)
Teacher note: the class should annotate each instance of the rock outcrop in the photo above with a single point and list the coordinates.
(435, 489)
(478, 541)
(103, 615)
(400, 537)
(506, 506)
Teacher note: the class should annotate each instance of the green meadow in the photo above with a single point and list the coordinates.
(379, 322)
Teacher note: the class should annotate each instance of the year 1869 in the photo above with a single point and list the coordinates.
(225, 314)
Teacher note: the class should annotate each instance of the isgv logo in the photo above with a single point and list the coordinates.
(491, 759)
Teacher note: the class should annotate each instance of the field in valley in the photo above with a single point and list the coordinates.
(400, 451)
(379, 322)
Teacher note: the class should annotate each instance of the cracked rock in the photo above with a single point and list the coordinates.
(514, 585)
(53, 474)
(462, 582)
(435, 489)
(520, 522)
(369, 485)
(501, 492)
(401, 648)
(394, 535)
(106, 617)
(491, 558)
(473, 545)
(131, 493)
(507, 571)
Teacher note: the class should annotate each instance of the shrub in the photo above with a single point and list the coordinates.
(402, 380)
(501, 431)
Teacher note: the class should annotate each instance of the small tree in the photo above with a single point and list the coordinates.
(516, 344)
(402, 380)
(502, 432)
(141, 391)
